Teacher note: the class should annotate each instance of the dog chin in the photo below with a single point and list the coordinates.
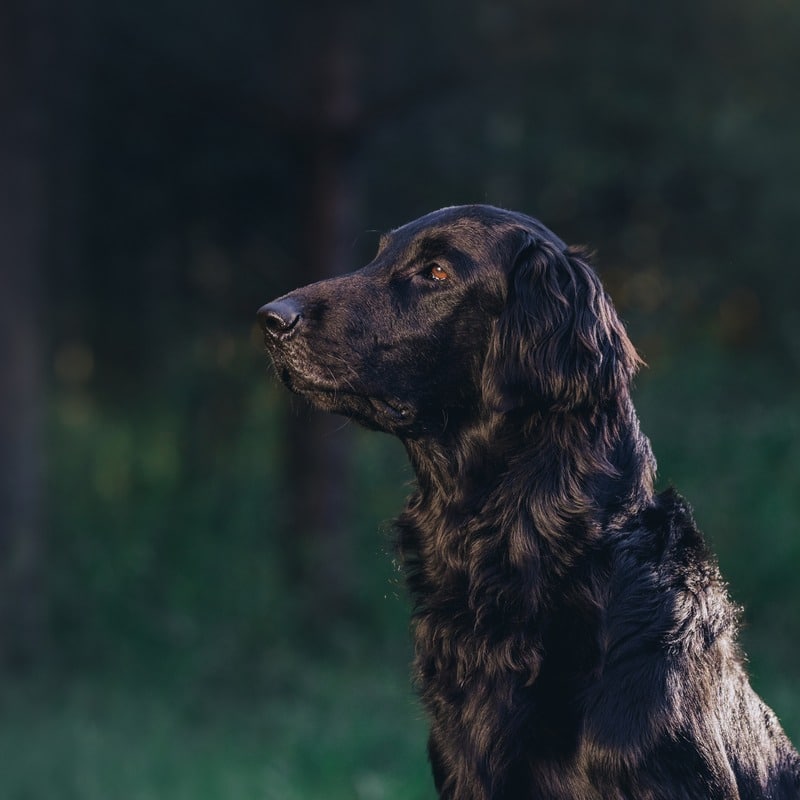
(371, 412)
(377, 413)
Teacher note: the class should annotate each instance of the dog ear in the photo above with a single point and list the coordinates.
(558, 342)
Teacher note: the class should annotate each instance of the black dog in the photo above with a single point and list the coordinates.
(573, 636)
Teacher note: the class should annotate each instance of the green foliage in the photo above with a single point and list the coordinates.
(168, 525)
(141, 537)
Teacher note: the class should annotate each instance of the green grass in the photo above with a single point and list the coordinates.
(332, 731)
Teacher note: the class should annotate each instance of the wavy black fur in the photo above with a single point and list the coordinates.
(573, 637)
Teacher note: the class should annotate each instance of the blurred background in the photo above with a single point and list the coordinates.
(197, 591)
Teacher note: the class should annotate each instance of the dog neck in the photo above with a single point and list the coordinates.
(575, 475)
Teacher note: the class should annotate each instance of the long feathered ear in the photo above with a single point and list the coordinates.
(558, 343)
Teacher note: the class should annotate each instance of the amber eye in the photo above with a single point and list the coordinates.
(438, 273)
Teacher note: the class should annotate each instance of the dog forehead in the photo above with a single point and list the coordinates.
(470, 225)
(461, 227)
(455, 219)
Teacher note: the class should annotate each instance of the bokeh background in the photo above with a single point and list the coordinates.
(197, 592)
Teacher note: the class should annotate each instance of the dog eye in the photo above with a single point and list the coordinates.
(438, 273)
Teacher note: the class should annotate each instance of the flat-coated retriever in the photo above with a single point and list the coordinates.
(573, 636)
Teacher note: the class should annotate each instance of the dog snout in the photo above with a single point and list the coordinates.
(280, 318)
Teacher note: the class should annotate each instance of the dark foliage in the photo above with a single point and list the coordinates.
(573, 636)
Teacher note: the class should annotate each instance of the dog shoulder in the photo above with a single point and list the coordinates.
(663, 565)
(671, 678)
(668, 625)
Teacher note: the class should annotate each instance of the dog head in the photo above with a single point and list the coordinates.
(463, 312)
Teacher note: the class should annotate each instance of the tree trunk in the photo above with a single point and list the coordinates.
(320, 445)
(24, 64)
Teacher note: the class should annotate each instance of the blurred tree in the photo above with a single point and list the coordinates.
(324, 128)
(25, 50)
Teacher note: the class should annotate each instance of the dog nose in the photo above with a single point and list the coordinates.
(279, 318)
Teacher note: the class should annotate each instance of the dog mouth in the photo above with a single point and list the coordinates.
(347, 400)
(371, 411)
(391, 408)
